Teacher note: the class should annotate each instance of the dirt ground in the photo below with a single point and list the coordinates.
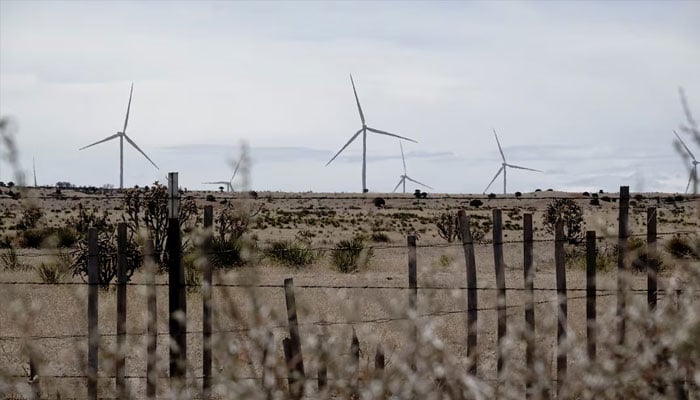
(51, 320)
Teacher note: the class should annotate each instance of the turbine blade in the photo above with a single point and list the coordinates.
(101, 141)
(684, 146)
(346, 145)
(690, 179)
(519, 167)
(128, 107)
(403, 158)
(359, 108)
(131, 142)
(415, 181)
(215, 183)
(235, 170)
(499, 146)
(494, 178)
(390, 134)
(398, 184)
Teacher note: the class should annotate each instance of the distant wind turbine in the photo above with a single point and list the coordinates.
(363, 131)
(694, 167)
(122, 135)
(34, 168)
(405, 176)
(504, 165)
(229, 184)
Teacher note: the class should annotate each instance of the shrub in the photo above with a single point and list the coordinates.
(30, 218)
(193, 277)
(448, 226)
(606, 257)
(10, 260)
(379, 202)
(210, 197)
(226, 253)
(349, 255)
(380, 237)
(681, 247)
(492, 196)
(518, 194)
(595, 202)
(54, 272)
(571, 213)
(445, 260)
(476, 203)
(107, 258)
(290, 253)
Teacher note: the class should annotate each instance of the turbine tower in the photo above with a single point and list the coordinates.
(122, 135)
(34, 168)
(405, 176)
(693, 168)
(229, 184)
(504, 166)
(363, 131)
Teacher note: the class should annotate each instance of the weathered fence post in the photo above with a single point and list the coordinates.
(206, 303)
(621, 267)
(93, 329)
(413, 296)
(355, 365)
(34, 382)
(121, 310)
(652, 258)
(500, 285)
(379, 362)
(591, 267)
(268, 373)
(561, 300)
(176, 283)
(469, 257)
(152, 322)
(529, 281)
(295, 361)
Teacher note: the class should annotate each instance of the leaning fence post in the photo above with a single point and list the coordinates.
(93, 329)
(206, 303)
(621, 267)
(295, 361)
(468, 245)
(652, 258)
(121, 309)
(591, 261)
(529, 278)
(152, 323)
(561, 300)
(176, 283)
(413, 296)
(500, 285)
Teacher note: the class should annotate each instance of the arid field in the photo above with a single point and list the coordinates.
(50, 321)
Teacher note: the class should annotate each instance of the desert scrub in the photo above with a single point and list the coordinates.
(572, 214)
(606, 256)
(292, 253)
(380, 237)
(682, 247)
(107, 255)
(10, 260)
(55, 271)
(350, 255)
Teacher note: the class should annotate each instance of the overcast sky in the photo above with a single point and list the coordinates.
(585, 91)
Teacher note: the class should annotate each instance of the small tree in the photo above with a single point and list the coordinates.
(571, 213)
(448, 226)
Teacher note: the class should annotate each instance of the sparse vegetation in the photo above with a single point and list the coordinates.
(572, 214)
(292, 253)
(350, 255)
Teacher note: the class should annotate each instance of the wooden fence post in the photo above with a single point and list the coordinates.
(93, 329)
(296, 361)
(413, 296)
(379, 361)
(561, 300)
(34, 382)
(176, 282)
(268, 363)
(529, 281)
(591, 267)
(355, 364)
(652, 258)
(121, 310)
(206, 303)
(468, 245)
(500, 285)
(621, 267)
(152, 323)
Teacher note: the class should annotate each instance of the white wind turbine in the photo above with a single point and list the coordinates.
(229, 184)
(405, 176)
(504, 165)
(122, 135)
(694, 167)
(363, 131)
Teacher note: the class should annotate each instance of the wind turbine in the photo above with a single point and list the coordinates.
(34, 168)
(504, 165)
(122, 135)
(229, 184)
(694, 169)
(363, 131)
(405, 176)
